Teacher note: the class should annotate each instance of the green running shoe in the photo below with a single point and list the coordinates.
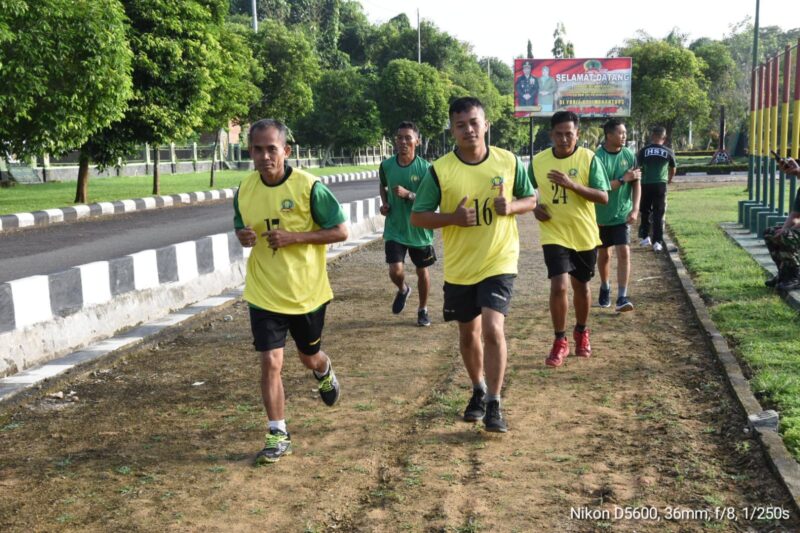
(277, 445)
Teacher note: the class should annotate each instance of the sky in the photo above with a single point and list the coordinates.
(501, 28)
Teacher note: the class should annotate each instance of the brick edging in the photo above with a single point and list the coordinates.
(782, 463)
(68, 214)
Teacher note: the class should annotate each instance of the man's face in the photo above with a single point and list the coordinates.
(269, 151)
(564, 137)
(617, 138)
(526, 69)
(468, 128)
(406, 141)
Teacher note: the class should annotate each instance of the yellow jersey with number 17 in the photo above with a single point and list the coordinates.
(573, 223)
(491, 247)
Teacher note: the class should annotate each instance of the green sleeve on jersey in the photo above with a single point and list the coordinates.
(597, 176)
(238, 223)
(325, 208)
(522, 185)
(382, 174)
(428, 195)
(532, 176)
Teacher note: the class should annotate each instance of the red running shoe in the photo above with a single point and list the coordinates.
(558, 353)
(582, 346)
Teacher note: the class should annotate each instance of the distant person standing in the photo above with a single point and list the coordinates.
(287, 216)
(569, 179)
(400, 177)
(658, 166)
(783, 242)
(615, 217)
(527, 87)
(478, 190)
(547, 91)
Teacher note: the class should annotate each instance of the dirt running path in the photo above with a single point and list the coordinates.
(162, 438)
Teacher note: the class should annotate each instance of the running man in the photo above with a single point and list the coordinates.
(287, 216)
(478, 190)
(615, 217)
(658, 168)
(400, 177)
(569, 235)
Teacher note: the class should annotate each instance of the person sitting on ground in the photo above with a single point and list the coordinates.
(783, 241)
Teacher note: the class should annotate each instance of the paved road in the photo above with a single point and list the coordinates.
(55, 248)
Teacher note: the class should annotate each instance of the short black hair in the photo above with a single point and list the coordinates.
(564, 116)
(465, 103)
(407, 125)
(266, 123)
(659, 131)
(611, 125)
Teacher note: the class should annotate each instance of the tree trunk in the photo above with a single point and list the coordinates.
(82, 190)
(156, 174)
(214, 159)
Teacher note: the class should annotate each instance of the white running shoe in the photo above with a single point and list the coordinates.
(645, 242)
(657, 247)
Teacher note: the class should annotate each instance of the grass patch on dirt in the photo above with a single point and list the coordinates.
(54, 194)
(761, 326)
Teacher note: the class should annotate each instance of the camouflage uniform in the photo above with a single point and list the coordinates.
(784, 249)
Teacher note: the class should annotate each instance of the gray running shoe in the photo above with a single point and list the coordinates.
(476, 407)
(422, 318)
(624, 304)
(605, 297)
(494, 421)
(277, 444)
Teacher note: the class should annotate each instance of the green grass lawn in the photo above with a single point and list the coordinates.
(760, 327)
(26, 198)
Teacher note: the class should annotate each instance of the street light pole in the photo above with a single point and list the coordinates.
(255, 17)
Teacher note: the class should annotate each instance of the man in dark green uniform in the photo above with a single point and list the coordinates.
(658, 168)
(400, 177)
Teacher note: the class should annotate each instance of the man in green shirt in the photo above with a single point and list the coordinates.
(658, 168)
(400, 177)
(615, 217)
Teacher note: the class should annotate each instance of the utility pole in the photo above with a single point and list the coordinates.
(489, 75)
(419, 39)
(255, 17)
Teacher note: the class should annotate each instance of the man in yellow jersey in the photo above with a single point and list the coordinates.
(478, 190)
(288, 217)
(400, 177)
(569, 180)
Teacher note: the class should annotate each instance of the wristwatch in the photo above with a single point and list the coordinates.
(412, 196)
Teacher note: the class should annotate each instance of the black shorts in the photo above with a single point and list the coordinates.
(464, 302)
(269, 330)
(421, 257)
(615, 235)
(561, 260)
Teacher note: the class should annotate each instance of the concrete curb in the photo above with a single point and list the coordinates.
(69, 214)
(15, 385)
(43, 317)
(781, 461)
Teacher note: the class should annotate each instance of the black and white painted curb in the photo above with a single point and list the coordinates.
(46, 316)
(69, 214)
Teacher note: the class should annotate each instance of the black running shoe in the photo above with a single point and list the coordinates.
(604, 299)
(422, 318)
(277, 444)
(773, 281)
(789, 284)
(329, 388)
(494, 421)
(476, 407)
(400, 300)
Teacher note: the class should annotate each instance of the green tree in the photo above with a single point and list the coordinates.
(290, 67)
(507, 131)
(345, 114)
(355, 32)
(412, 91)
(236, 75)
(668, 85)
(561, 47)
(59, 87)
(719, 69)
(501, 75)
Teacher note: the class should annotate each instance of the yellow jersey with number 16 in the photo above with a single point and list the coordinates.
(491, 247)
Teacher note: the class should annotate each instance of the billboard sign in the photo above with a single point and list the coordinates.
(588, 87)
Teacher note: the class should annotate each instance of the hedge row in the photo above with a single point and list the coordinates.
(712, 169)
